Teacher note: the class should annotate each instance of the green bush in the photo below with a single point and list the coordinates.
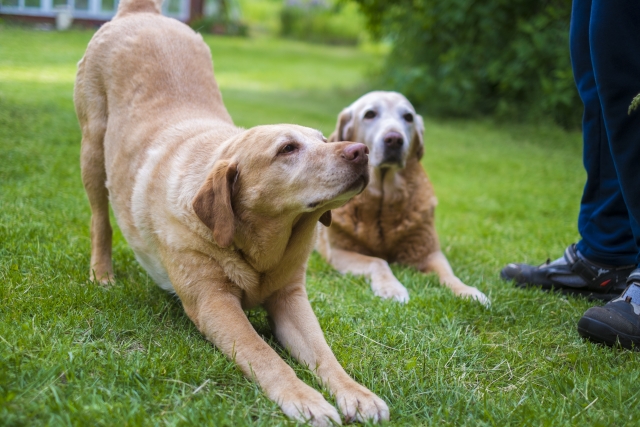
(321, 22)
(221, 26)
(262, 16)
(463, 57)
(221, 17)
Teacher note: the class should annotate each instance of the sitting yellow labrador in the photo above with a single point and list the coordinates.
(393, 219)
(223, 217)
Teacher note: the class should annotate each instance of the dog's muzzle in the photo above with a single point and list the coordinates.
(393, 145)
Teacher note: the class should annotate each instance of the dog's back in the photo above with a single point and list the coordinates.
(142, 75)
(137, 6)
(151, 60)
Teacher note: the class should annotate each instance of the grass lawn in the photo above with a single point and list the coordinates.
(74, 353)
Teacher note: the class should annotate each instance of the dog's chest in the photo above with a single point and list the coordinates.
(272, 281)
(277, 268)
(386, 228)
(387, 225)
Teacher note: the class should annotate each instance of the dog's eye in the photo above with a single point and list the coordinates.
(408, 117)
(289, 148)
(369, 114)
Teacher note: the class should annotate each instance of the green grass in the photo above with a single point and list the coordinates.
(73, 353)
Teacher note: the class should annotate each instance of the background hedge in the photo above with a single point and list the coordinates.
(463, 57)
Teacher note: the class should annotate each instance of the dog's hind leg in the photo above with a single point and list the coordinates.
(92, 115)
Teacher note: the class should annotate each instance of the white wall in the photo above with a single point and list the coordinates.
(85, 9)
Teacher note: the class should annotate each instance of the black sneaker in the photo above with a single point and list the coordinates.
(572, 274)
(618, 321)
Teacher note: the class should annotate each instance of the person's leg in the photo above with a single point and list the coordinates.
(603, 222)
(614, 30)
(599, 264)
(615, 43)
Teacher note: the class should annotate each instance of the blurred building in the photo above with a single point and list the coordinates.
(93, 12)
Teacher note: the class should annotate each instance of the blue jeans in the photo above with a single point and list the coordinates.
(605, 56)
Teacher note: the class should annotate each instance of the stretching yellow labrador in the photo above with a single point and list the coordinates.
(223, 217)
(393, 219)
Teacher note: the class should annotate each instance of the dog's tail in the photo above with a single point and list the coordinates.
(138, 6)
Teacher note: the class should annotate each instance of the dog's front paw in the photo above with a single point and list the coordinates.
(464, 291)
(306, 405)
(390, 289)
(473, 293)
(104, 279)
(359, 404)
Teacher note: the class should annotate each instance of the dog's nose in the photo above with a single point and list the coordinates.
(393, 140)
(356, 153)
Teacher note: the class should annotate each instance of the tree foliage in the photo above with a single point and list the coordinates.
(635, 102)
(506, 57)
(321, 21)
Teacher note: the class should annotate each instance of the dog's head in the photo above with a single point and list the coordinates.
(279, 171)
(388, 124)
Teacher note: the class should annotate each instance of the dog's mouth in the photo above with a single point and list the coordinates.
(390, 165)
(356, 187)
(390, 162)
(359, 184)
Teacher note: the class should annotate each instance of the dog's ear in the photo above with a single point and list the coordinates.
(325, 219)
(418, 143)
(344, 127)
(212, 204)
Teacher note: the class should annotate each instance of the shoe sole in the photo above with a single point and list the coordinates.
(590, 295)
(599, 332)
